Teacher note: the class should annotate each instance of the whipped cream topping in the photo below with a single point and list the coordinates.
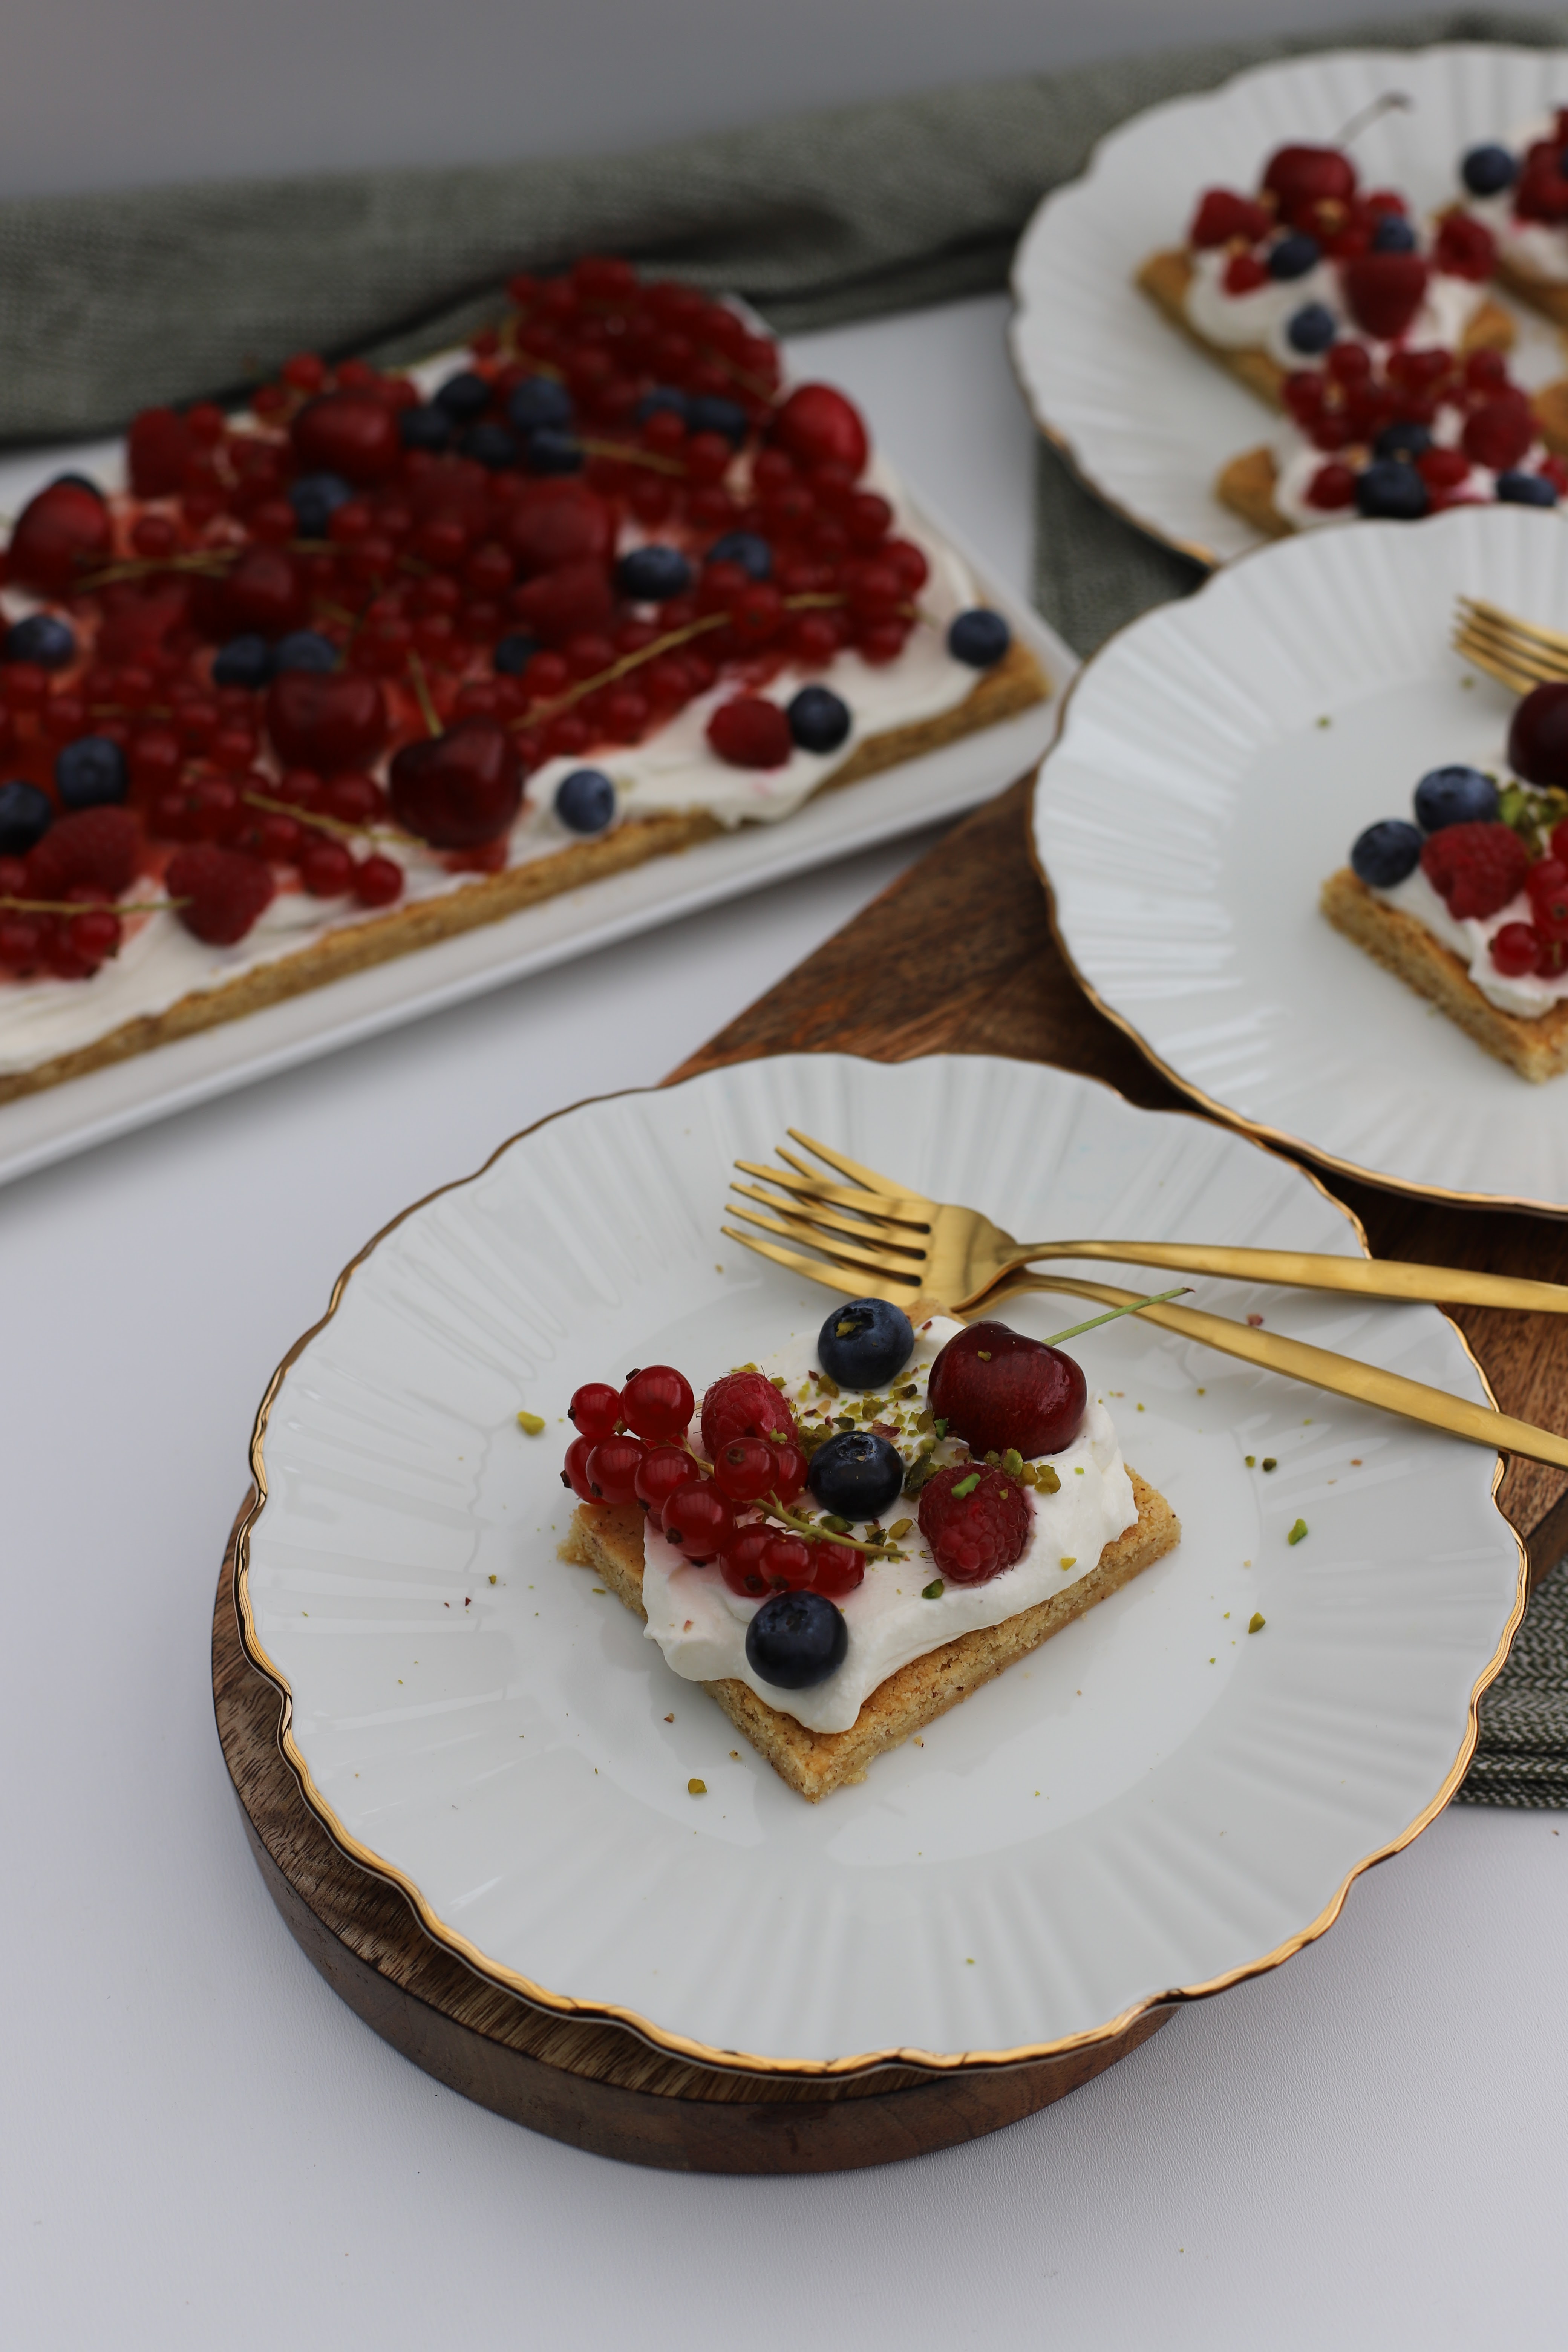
(160, 962)
(1257, 321)
(701, 1625)
(1536, 249)
(1470, 938)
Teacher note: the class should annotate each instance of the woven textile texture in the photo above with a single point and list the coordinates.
(110, 303)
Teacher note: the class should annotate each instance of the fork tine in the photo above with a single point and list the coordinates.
(1510, 646)
(887, 1208)
(1493, 617)
(1518, 681)
(842, 1254)
(857, 1228)
(856, 1169)
(812, 1268)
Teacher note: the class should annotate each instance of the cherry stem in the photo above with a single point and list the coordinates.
(1393, 101)
(428, 709)
(1134, 1307)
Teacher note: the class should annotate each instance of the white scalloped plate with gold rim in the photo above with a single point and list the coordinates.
(1154, 1800)
(1148, 418)
(1216, 762)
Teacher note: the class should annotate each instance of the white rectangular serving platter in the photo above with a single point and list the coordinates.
(49, 1125)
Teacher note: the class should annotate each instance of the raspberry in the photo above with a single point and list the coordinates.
(744, 1404)
(97, 845)
(1244, 274)
(225, 891)
(1500, 431)
(751, 733)
(1333, 486)
(1222, 213)
(1465, 248)
(1475, 868)
(976, 1520)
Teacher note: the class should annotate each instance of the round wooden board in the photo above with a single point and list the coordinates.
(598, 2087)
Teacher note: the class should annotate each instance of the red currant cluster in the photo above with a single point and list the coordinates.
(632, 1446)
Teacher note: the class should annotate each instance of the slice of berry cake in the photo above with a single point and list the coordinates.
(842, 1545)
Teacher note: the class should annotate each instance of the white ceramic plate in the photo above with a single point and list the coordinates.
(1217, 760)
(1147, 419)
(1154, 1801)
(49, 1125)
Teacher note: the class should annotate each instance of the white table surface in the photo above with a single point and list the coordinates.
(204, 2147)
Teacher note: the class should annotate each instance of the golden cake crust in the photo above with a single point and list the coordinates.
(1166, 277)
(1537, 1049)
(1016, 683)
(815, 1763)
(1547, 295)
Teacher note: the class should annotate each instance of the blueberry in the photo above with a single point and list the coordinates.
(1526, 490)
(708, 413)
(1454, 796)
(90, 772)
(25, 817)
(797, 1639)
(315, 498)
(1294, 256)
(513, 653)
(586, 800)
(855, 1474)
(1486, 171)
(553, 452)
(425, 427)
(1390, 490)
(663, 395)
(39, 638)
(244, 661)
(539, 399)
(1392, 235)
(463, 397)
(747, 548)
(492, 445)
(305, 649)
(867, 1341)
(819, 720)
(1311, 329)
(1402, 440)
(1385, 853)
(648, 576)
(979, 637)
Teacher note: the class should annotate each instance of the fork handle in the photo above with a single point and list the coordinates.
(1368, 1278)
(1320, 1368)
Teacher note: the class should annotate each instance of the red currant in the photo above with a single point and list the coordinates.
(575, 1474)
(790, 1467)
(326, 869)
(698, 1519)
(786, 1561)
(745, 1469)
(741, 1565)
(658, 1403)
(612, 1468)
(94, 935)
(1333, 486)
(1516, 950)
(662, 1469)
(1547, 883)
(837, 1569)
(378, 881)
(1244, 274)
(594, 1410)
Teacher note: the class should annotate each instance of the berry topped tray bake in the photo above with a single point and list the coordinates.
(390, 656)
(1274, 282)
(1517, 194)
(845, 1544)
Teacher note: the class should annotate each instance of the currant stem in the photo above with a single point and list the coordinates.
(774, 1509)
(428, 709)
(88, 906)
(334, 825)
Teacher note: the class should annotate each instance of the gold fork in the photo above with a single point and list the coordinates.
(1519, 653)
(877, 1238)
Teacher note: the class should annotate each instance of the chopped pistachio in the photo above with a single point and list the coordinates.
(1252, 1461)
(697, 1788)
(831, 1519)
(1256, 1622)
(924, 1420)
(530, 1424)
(900, 1529)
(933, 1591)
(967, 1485)
(827, 1384)
(983, 1354)
(1270, 1462)
(845, 1420)
(940, 1427)
(1297, 1532)
(1069, 1559)
(1047, 1479)
(1013, 1463)
(919, 1471)
(911, 1391)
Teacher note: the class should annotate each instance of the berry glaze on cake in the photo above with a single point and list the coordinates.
(388, 655)
(1278, 280)
(1469, 904)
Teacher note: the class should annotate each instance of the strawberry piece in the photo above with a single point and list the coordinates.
(1223, 214)
(1244, 274)
(744, 1404)
(225, 891)
(977, 1518)
(96, 848)
(1384, 291)
(1475, 869)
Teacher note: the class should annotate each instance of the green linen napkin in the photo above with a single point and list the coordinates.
(111, 302)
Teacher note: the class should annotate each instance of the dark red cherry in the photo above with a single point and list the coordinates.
(1538, 739)
(817, 426)
(460, 790)
(996, 1388)
(326, 720)
(348, 432)
(1309, 175)
(264, 595)
(558, 521)
(59, 534)
(1384, 291)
